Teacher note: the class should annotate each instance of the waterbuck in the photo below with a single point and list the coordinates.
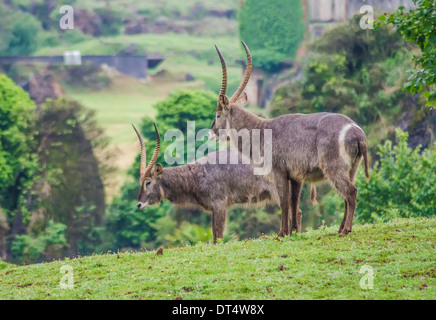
(305, 148)
(204, 185)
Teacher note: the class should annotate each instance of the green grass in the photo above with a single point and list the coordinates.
(313, 265)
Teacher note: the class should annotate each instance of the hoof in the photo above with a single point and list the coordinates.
(344, 232)
(282, 233)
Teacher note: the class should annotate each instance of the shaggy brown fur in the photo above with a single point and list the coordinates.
(209, 187)
(305, 148)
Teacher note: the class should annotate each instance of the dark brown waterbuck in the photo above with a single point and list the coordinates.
(204, 184)
(305, 148)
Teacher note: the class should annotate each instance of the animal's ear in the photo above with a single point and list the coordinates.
(223, 103)
(243, 100)
(158, 170)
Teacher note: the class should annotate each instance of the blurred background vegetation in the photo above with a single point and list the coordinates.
(69, 158)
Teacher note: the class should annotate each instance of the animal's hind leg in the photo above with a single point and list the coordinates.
(351, 207)
(352, 176)
(344, 219)
(353, 172)
(299, 218)
(342, 183)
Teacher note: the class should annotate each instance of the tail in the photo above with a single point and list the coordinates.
(362, 148)
(313, 194)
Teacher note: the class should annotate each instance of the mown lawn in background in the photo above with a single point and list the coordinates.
(184, 53)
(157, 8)
(317, 264)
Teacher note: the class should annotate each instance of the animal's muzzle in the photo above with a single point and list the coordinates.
(142, 205)
(212, 136)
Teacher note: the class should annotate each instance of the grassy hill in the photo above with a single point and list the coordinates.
(314, 265)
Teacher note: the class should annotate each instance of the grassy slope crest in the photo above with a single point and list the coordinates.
(313, 265)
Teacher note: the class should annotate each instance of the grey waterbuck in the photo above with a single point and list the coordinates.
(305, 148)
(204, 184)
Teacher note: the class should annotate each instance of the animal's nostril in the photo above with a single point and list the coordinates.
(139, 204)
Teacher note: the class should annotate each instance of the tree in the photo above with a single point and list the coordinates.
(419, 26)
(18, 31)
(51, 181)
(272, 29)
(351, 71)
(71, 189)
(17, 162)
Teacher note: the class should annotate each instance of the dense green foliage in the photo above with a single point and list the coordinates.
(17, 113)
(18, 32)
(351, 71)
(419, 26)
(317, 264)
(52, 192)
(69, 139)
(46, 243)
(273, 30)
(18, 162)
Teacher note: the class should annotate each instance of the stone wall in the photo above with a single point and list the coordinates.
(135, 66)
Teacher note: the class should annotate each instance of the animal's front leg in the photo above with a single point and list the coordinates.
(283, 192)
(213, 226)
(341, 228)
(219, 217)
(284, 228)
(295, 202)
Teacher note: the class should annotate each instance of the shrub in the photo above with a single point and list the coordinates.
(272, 29)
(418, 26)
(86, 75)
(17, 163)
(30, 247)
(18, 32)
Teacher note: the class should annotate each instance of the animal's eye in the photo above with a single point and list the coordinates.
(147, 183)
(218, 116)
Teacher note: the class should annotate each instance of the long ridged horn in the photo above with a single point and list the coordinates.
(143, 152)
(246, 75)
(223, 66)
(155, 154)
